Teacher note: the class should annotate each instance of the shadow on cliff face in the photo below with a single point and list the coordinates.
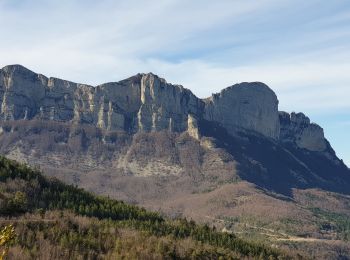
(270, 165)
(279, 167)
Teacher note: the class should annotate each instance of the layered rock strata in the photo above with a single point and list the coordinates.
(246, 106)
(296, 128)
(146, 102)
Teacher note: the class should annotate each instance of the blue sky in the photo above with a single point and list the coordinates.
(301, 49)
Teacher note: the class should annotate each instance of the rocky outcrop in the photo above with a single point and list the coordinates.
(165, 106)
(296, 128)
(245, 106)
(193, 127)
(27, 95)
(145, 103)
(117, 104)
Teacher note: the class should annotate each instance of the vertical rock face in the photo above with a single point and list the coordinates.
(146, 102)
(192, 127)
(165, 106)
(118, 103)
(27, 95)
(245, 106)
(20, 93)
(297, 128)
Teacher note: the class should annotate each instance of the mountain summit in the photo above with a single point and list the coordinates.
(232, 159)
(146, 102)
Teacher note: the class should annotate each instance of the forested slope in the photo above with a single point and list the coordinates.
(57, 221)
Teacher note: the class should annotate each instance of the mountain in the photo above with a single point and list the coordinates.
(231, 160)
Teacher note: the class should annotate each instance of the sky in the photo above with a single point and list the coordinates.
(301, 49)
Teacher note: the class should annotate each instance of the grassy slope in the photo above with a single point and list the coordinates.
(63, 222)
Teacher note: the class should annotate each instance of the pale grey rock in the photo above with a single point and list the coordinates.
(165, 106)
(193, 127)
(245, 106)
(296, 128)
(20, 94)
(146, 102)
(27, 95)
(121, 102)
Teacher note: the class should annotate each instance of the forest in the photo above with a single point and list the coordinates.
(58, 221)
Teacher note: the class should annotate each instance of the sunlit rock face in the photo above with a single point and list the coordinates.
(165, 106)
(27, 95)
(245, 106)
(193, 127)
(296, 127)
(145, 103)
(20, 93)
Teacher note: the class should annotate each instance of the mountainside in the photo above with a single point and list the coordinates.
(146, 102)
(245, 114)
(52, 220)
(232, 160)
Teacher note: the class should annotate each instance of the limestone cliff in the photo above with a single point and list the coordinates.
(245, 106)
(144, 102)
(165, 106)
(147, 103)
(297, 128)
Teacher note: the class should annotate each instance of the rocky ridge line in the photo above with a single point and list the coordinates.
(146, 102)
